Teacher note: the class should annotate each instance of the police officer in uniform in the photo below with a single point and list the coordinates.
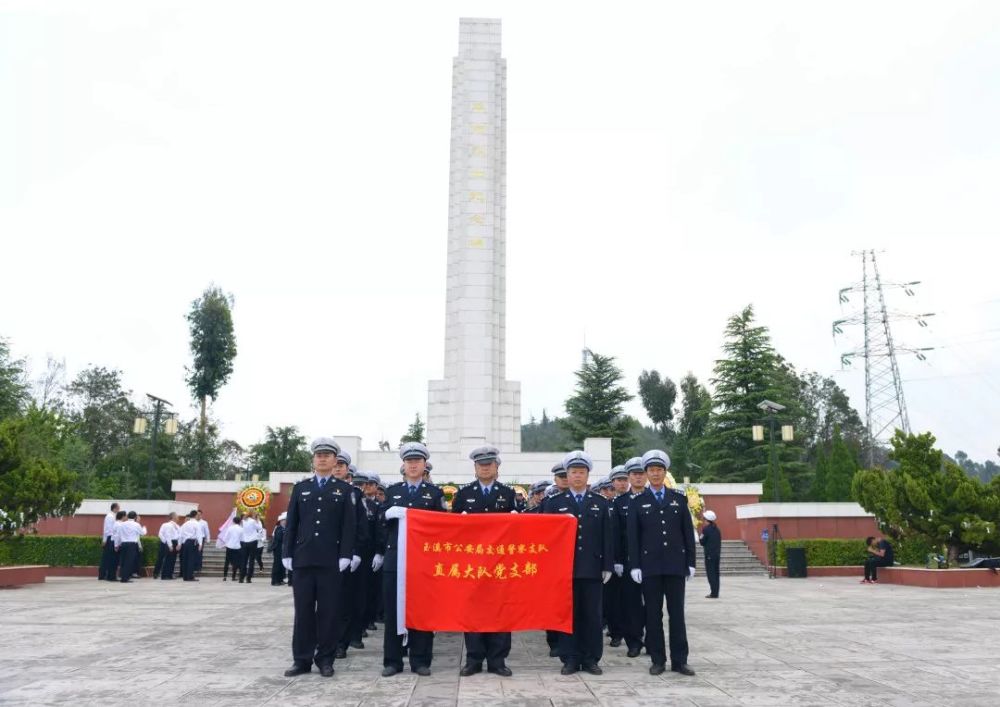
(553, 638)
(373, 577)
(632, 613)
(536, 495)
(318, 545)
(592, 560)
(711, 540)
(559, 477)
(485, 495)
(412, 492)
(352, 599)
(661, 558)
(613, 609)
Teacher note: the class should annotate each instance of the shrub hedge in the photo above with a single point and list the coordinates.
(837, 552)
(62, 550)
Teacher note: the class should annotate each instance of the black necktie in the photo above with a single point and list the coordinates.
(486, 492)
(322, 482)
(579, 497)
(659, 496)
(413, 491)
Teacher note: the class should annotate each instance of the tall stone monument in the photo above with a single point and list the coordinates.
(475, 403)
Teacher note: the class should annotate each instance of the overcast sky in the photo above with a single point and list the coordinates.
(667, 165)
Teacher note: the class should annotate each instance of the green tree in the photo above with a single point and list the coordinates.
(657, 395)
(696, 407)
(414, 433)
(213, 349)
(930, 498)
(595, 408)
(101, 410)
(545, 435)
(817, 492)
(34, 484)
(13, 383)
(750, 373)
(283, 449)
(843, 466)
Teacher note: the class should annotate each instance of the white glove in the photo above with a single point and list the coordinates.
(619, 570)
(395, 513)
(513, 511)
(355, 563)
(344, 563)
(636, 576)
(287, 562)
(690, 572)
(605, 576)
(377, 563)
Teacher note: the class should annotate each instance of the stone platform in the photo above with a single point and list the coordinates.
(822, 641)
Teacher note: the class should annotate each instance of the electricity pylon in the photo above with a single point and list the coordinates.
(885, 406)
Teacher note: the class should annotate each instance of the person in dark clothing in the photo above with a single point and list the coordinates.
(711, 540)
(277, 539)
(879, 555)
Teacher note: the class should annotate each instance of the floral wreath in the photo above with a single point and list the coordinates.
(253, 497)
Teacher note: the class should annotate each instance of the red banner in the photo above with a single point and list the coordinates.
(486, 572)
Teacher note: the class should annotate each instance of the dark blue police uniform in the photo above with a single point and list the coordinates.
(320, 530)
(632, 613)
(593, 555)
(423, 496)
(661, 544)
(491, 647)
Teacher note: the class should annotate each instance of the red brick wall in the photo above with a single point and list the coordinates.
(725, 511)
(794, 528)
(90, 525)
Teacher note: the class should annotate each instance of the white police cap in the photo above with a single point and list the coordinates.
(324, 444)
(485, 454)
(428, 467)
(551, 491)
(414, 450)
(282, 516)
(618, 473)
(558, 469)
(538, 486)
(634, 464)
(655, 456)
(352, 470)
(577, 458)
(373, 477)
(343, 456)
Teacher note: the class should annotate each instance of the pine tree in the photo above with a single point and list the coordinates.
(842, 469)
(415, 432)
(595, 408)
(750, 373)
(817, 491)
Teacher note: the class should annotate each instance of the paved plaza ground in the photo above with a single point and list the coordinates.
(766, 642)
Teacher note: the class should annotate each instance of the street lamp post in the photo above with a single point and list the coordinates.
(787, 435)
(169, 428)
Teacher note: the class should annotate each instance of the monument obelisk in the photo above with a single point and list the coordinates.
(474, 403)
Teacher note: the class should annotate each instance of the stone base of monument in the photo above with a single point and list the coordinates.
(20, 575)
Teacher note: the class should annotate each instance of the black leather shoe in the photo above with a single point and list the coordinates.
(357, 644)
(364, 633)
(340, 654)
(390, 670)
(615, 642)
(684, 669)
(503, 671)
(657, 669)
(568, 670)
(326, 670)
(298, 669)
(422, 671)
(711, 596)
(593, 669)
(371, 627)
(553, 652)
(470, 669)
(634, 652)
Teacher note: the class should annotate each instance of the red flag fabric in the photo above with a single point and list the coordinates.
(486, 572)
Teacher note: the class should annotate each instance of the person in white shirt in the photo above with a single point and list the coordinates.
(169, 534)
(233, 538)
(127, 544)
(190, 546)
(109, 561)
(251, 528)
(206, 536)
(261, 544)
